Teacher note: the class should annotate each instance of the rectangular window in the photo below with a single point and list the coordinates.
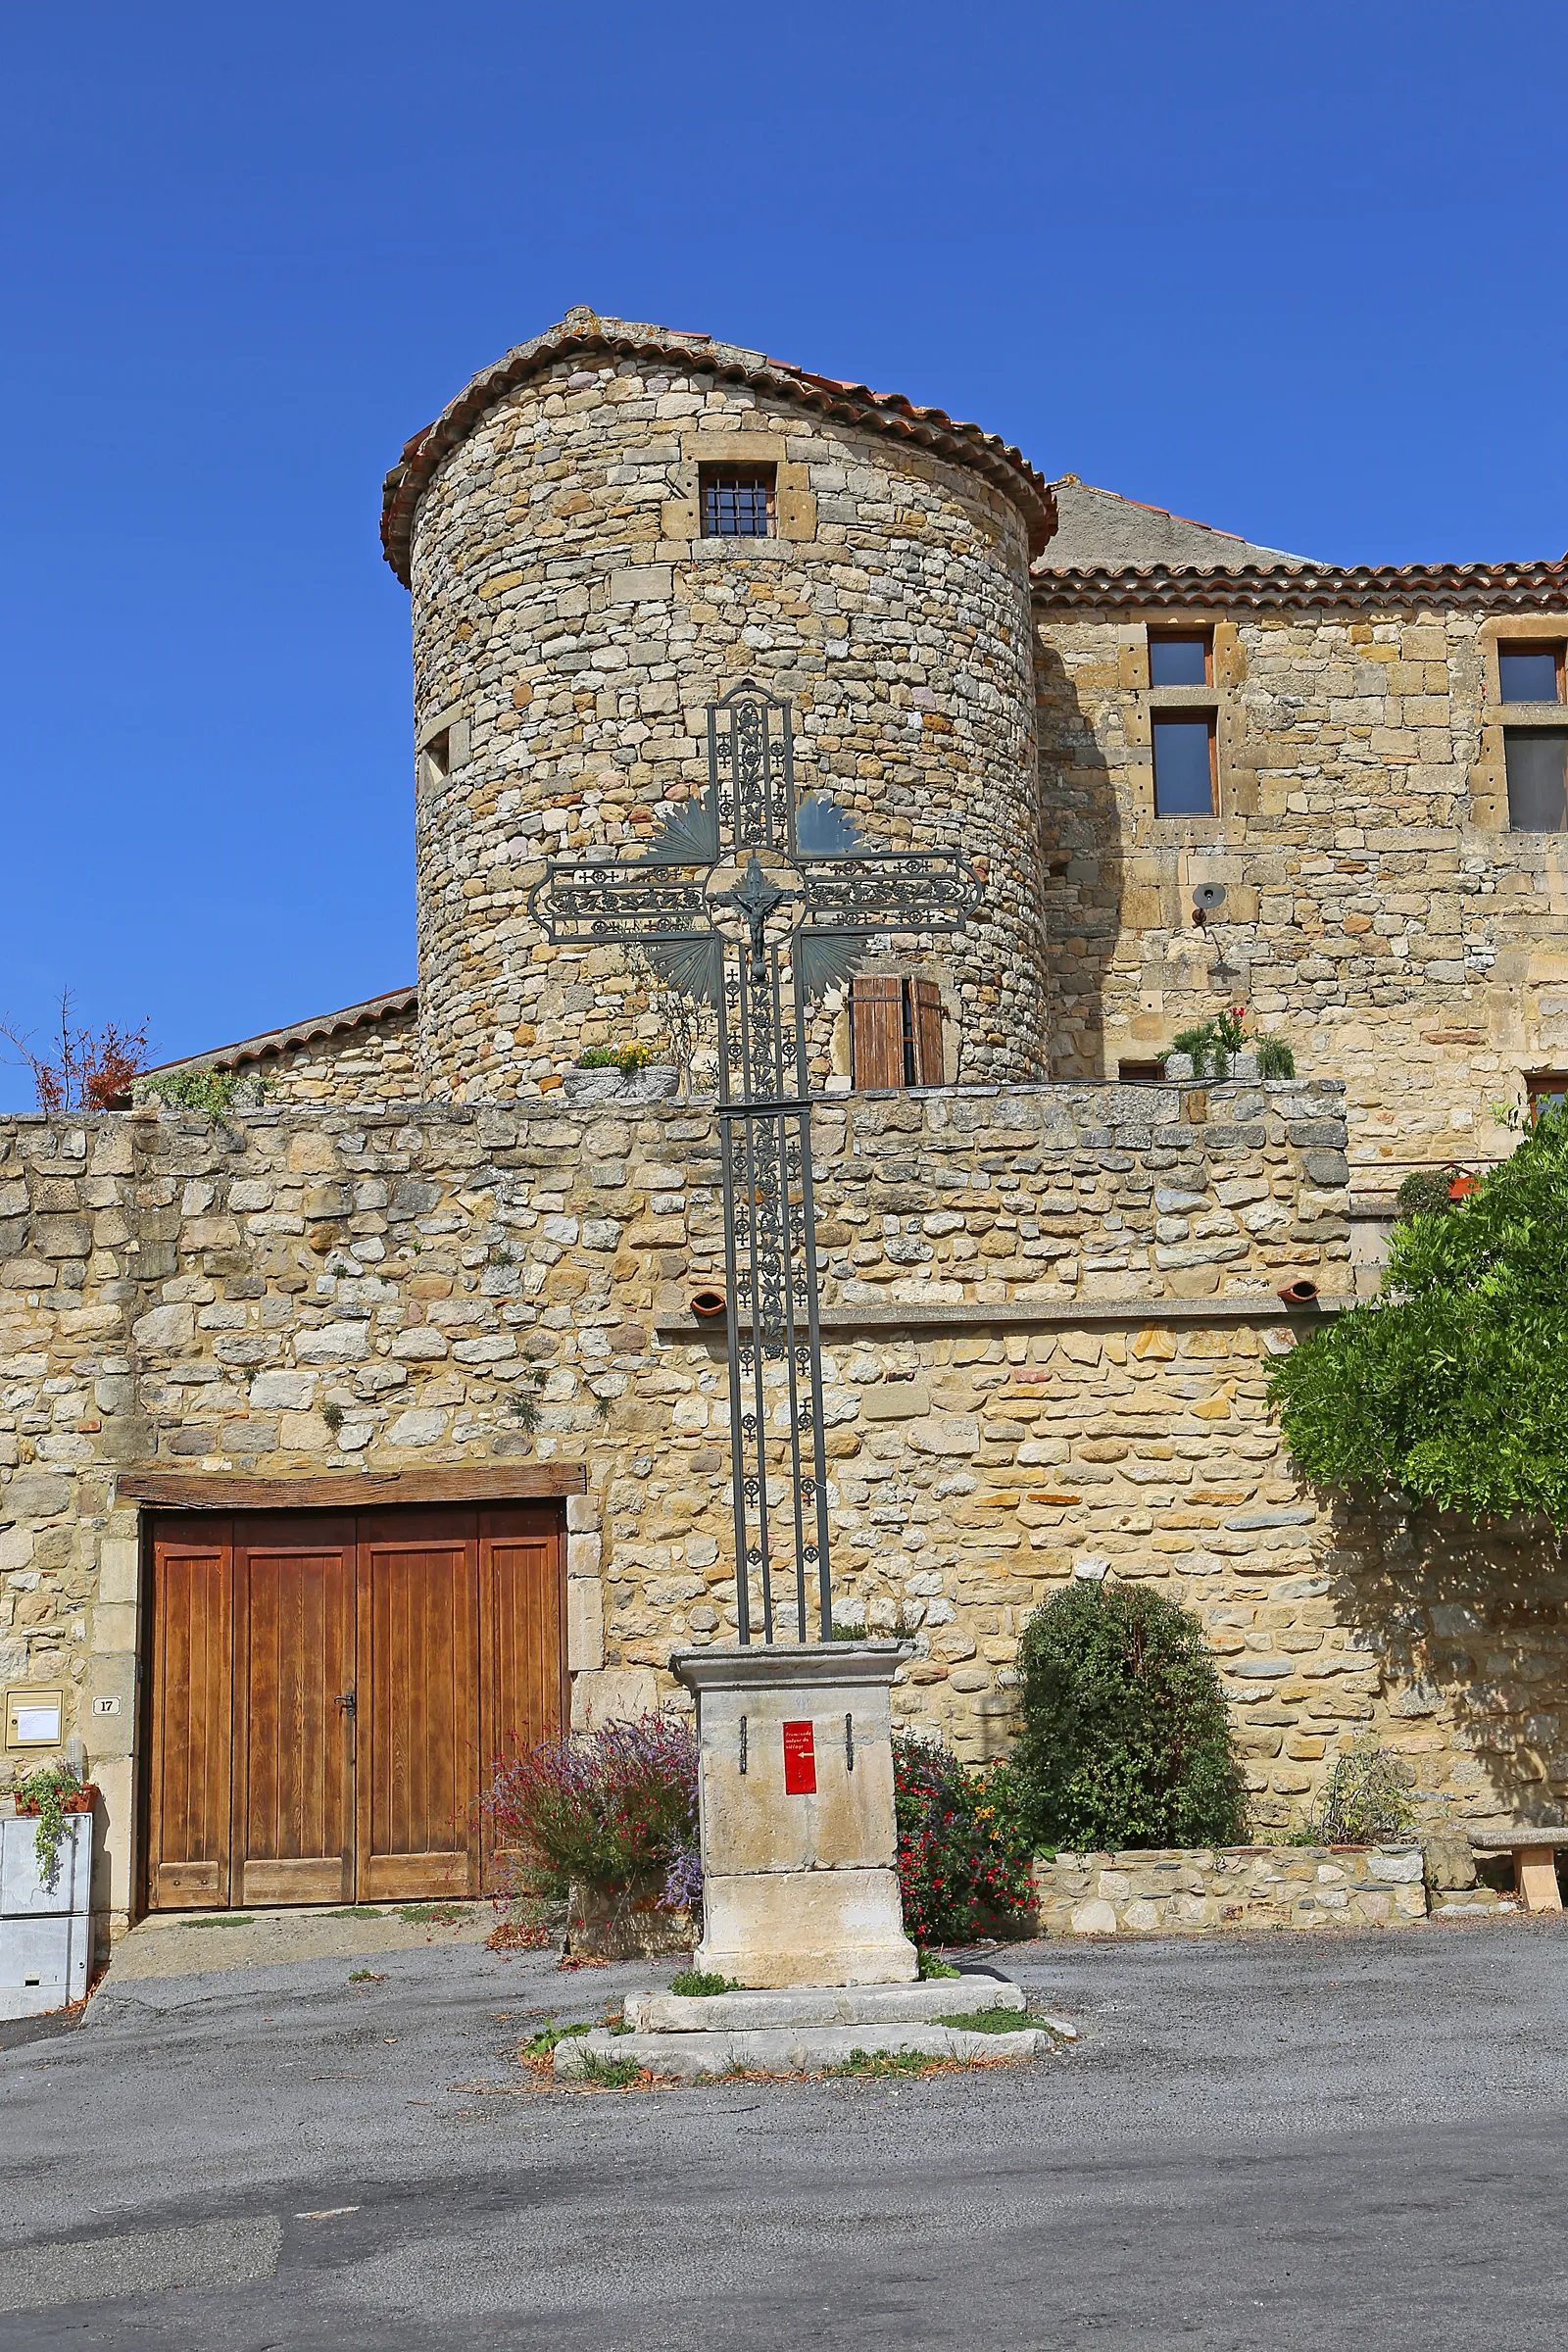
(1184, 765)
(1530, 673)
(737, 501)
(894, 1033)
(1537, 761)
(1185, 661)
(1141, 1073)
(1546, 1090)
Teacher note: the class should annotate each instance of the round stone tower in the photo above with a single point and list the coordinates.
(610, 530)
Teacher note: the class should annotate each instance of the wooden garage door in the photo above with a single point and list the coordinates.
(328, 1694)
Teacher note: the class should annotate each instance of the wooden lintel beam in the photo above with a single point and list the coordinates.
(336, 1491)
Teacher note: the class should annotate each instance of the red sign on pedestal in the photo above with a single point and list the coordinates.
(799, 1760)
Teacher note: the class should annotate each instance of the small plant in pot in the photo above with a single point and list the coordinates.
(624, 1073)
(52, 1793)
(1221, 1048)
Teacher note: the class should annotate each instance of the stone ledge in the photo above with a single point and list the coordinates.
(1177, 1892)
(859, 2005)
(792, 2049)
(1024, 1314)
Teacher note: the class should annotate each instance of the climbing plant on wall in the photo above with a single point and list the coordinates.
(1452, 1385)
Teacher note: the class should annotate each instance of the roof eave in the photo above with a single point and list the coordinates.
(888, 412)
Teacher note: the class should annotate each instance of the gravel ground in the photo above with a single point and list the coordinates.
(1259, 2141)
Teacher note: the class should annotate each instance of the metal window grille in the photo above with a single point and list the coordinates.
(737, 502)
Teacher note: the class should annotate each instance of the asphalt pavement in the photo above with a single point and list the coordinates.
(1259, 2141)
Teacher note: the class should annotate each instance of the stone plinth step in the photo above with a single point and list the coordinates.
(820, 2005)
(811, 2025)
(789, 2049)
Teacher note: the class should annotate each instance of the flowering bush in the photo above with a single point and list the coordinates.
(625, 1059)
(605, 1810)
(963, 1856)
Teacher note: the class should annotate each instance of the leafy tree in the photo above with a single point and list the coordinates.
(81, 1068)
(1126, 1738)
(1453, 1383)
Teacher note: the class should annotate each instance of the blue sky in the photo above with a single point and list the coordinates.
(1298, 271)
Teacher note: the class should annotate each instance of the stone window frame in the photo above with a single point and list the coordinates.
(1489, 778)
(763, 473)
(756, 445)
(441, 746)
(1542, 1086)
(1235, 780)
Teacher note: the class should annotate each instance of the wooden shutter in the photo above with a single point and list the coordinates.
(876, 1032)
(927, 1023)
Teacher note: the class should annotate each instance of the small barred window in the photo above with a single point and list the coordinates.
(737, 501)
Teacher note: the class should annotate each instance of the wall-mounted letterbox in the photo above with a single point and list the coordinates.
(34, 1718)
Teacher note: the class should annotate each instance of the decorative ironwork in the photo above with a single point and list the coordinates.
(754, 905)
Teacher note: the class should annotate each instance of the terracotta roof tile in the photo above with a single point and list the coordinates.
(1529, 587)
(583, 330)
(299, 1032)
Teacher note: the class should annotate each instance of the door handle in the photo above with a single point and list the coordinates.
(346, 1699)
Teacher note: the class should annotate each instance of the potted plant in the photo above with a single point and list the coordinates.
(52, 1793)
(1221, 1048)
(621, 1074)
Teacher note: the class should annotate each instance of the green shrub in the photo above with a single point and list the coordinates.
(1126, 1738)
(1274, 1059)
(1367, 1800)
(1425, 1193)
(1451, 1386)
(211, 1091)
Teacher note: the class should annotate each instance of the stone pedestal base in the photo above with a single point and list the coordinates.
(795, 1768)
(788, 2032)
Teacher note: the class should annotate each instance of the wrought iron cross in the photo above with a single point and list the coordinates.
(754, 904)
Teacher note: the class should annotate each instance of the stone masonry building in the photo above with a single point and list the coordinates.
(348, 1434)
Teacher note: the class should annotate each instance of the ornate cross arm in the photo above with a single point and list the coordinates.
(585, 904)
(890, 890)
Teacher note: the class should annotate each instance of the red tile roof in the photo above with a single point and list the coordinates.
(300, 1033)
(1528, 587)
(581, 330)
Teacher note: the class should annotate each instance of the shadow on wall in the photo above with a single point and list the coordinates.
(1469, 1625)
(1082, 855)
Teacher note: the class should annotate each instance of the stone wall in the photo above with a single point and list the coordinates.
(1378, 913)
(570, 624)
(1184, 1892)
(1048, 1317)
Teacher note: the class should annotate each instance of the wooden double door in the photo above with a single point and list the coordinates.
(328, 1692)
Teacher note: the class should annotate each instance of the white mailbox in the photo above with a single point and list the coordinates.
(34, 1718)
